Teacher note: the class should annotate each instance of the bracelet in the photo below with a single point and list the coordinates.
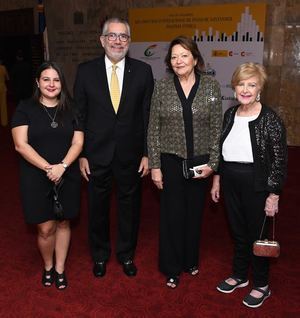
(64, 165)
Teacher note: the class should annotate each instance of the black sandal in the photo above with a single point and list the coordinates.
(172, 282)
(48, 277)
(193, 271)
(61, 281)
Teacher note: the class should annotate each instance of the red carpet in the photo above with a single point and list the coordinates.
(145, 296)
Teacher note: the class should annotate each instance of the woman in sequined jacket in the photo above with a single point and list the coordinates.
(185, 123)
(252, 171)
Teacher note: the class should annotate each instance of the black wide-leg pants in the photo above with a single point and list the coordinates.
(245, 209)
(128, 190)
(182, 203)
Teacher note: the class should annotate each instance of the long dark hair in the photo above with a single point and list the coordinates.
(64, 98)
(190, 45)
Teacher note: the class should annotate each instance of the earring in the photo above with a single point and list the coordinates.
(257, 97)
(234, 95)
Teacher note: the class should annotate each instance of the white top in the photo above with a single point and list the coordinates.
(119, 70)
(237, 145)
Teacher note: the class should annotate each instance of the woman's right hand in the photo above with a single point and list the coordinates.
(271, 206)
(157, 176)
(55, 172)
(215, 189)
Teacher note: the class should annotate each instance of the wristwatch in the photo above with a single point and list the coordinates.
(64, 165)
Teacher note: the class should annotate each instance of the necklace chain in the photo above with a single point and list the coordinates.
(53, 124)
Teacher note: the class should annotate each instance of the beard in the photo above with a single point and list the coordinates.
(116, 56)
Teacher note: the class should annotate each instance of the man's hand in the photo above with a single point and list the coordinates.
(84, 168)
(144, 167)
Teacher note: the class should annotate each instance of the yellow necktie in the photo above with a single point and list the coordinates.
(114, 89)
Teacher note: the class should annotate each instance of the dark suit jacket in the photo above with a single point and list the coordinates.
(107, 134)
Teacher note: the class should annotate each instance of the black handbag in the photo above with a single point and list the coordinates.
(192, 167)
(57, 206)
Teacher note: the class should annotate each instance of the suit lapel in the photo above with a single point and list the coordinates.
(102, 84)
(127, 79)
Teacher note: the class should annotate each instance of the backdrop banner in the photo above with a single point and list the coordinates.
(227, 35)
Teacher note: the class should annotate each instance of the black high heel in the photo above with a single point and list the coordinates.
(48, 277)
(61, 282)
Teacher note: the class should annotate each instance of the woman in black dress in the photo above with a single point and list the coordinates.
(47, 136)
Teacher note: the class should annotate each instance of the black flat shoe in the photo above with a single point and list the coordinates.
(254, 302)
(48, 277)
(61, 282)
(99, 269)
(172, 282)
(226, 288)
(129, 268)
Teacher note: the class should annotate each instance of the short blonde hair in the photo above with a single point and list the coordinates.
(247, 70)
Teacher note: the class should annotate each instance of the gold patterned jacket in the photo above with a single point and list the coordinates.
(166, 133)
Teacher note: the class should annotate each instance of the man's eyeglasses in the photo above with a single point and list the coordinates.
(113, 36)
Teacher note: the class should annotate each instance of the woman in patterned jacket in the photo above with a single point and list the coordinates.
(184, 130)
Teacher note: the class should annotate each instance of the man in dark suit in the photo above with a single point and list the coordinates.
(113, 95)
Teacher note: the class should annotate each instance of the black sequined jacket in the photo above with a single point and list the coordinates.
(269, 147)
(166, 133)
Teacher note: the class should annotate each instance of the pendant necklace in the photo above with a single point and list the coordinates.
(53, 124)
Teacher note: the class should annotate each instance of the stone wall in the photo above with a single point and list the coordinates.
(74, 27)
(7, 5)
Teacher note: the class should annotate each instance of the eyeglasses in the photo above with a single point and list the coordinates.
(114, 36)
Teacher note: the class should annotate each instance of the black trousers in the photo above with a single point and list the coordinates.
(182, 203)
(128, 192)
(245, 209)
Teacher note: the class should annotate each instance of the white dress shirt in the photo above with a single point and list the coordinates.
(119, 70)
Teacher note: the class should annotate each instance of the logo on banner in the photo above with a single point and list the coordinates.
(219, 53)
(226, 53)
(150, 50)
(240, 53)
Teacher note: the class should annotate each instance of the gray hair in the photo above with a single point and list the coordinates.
(115, 20)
